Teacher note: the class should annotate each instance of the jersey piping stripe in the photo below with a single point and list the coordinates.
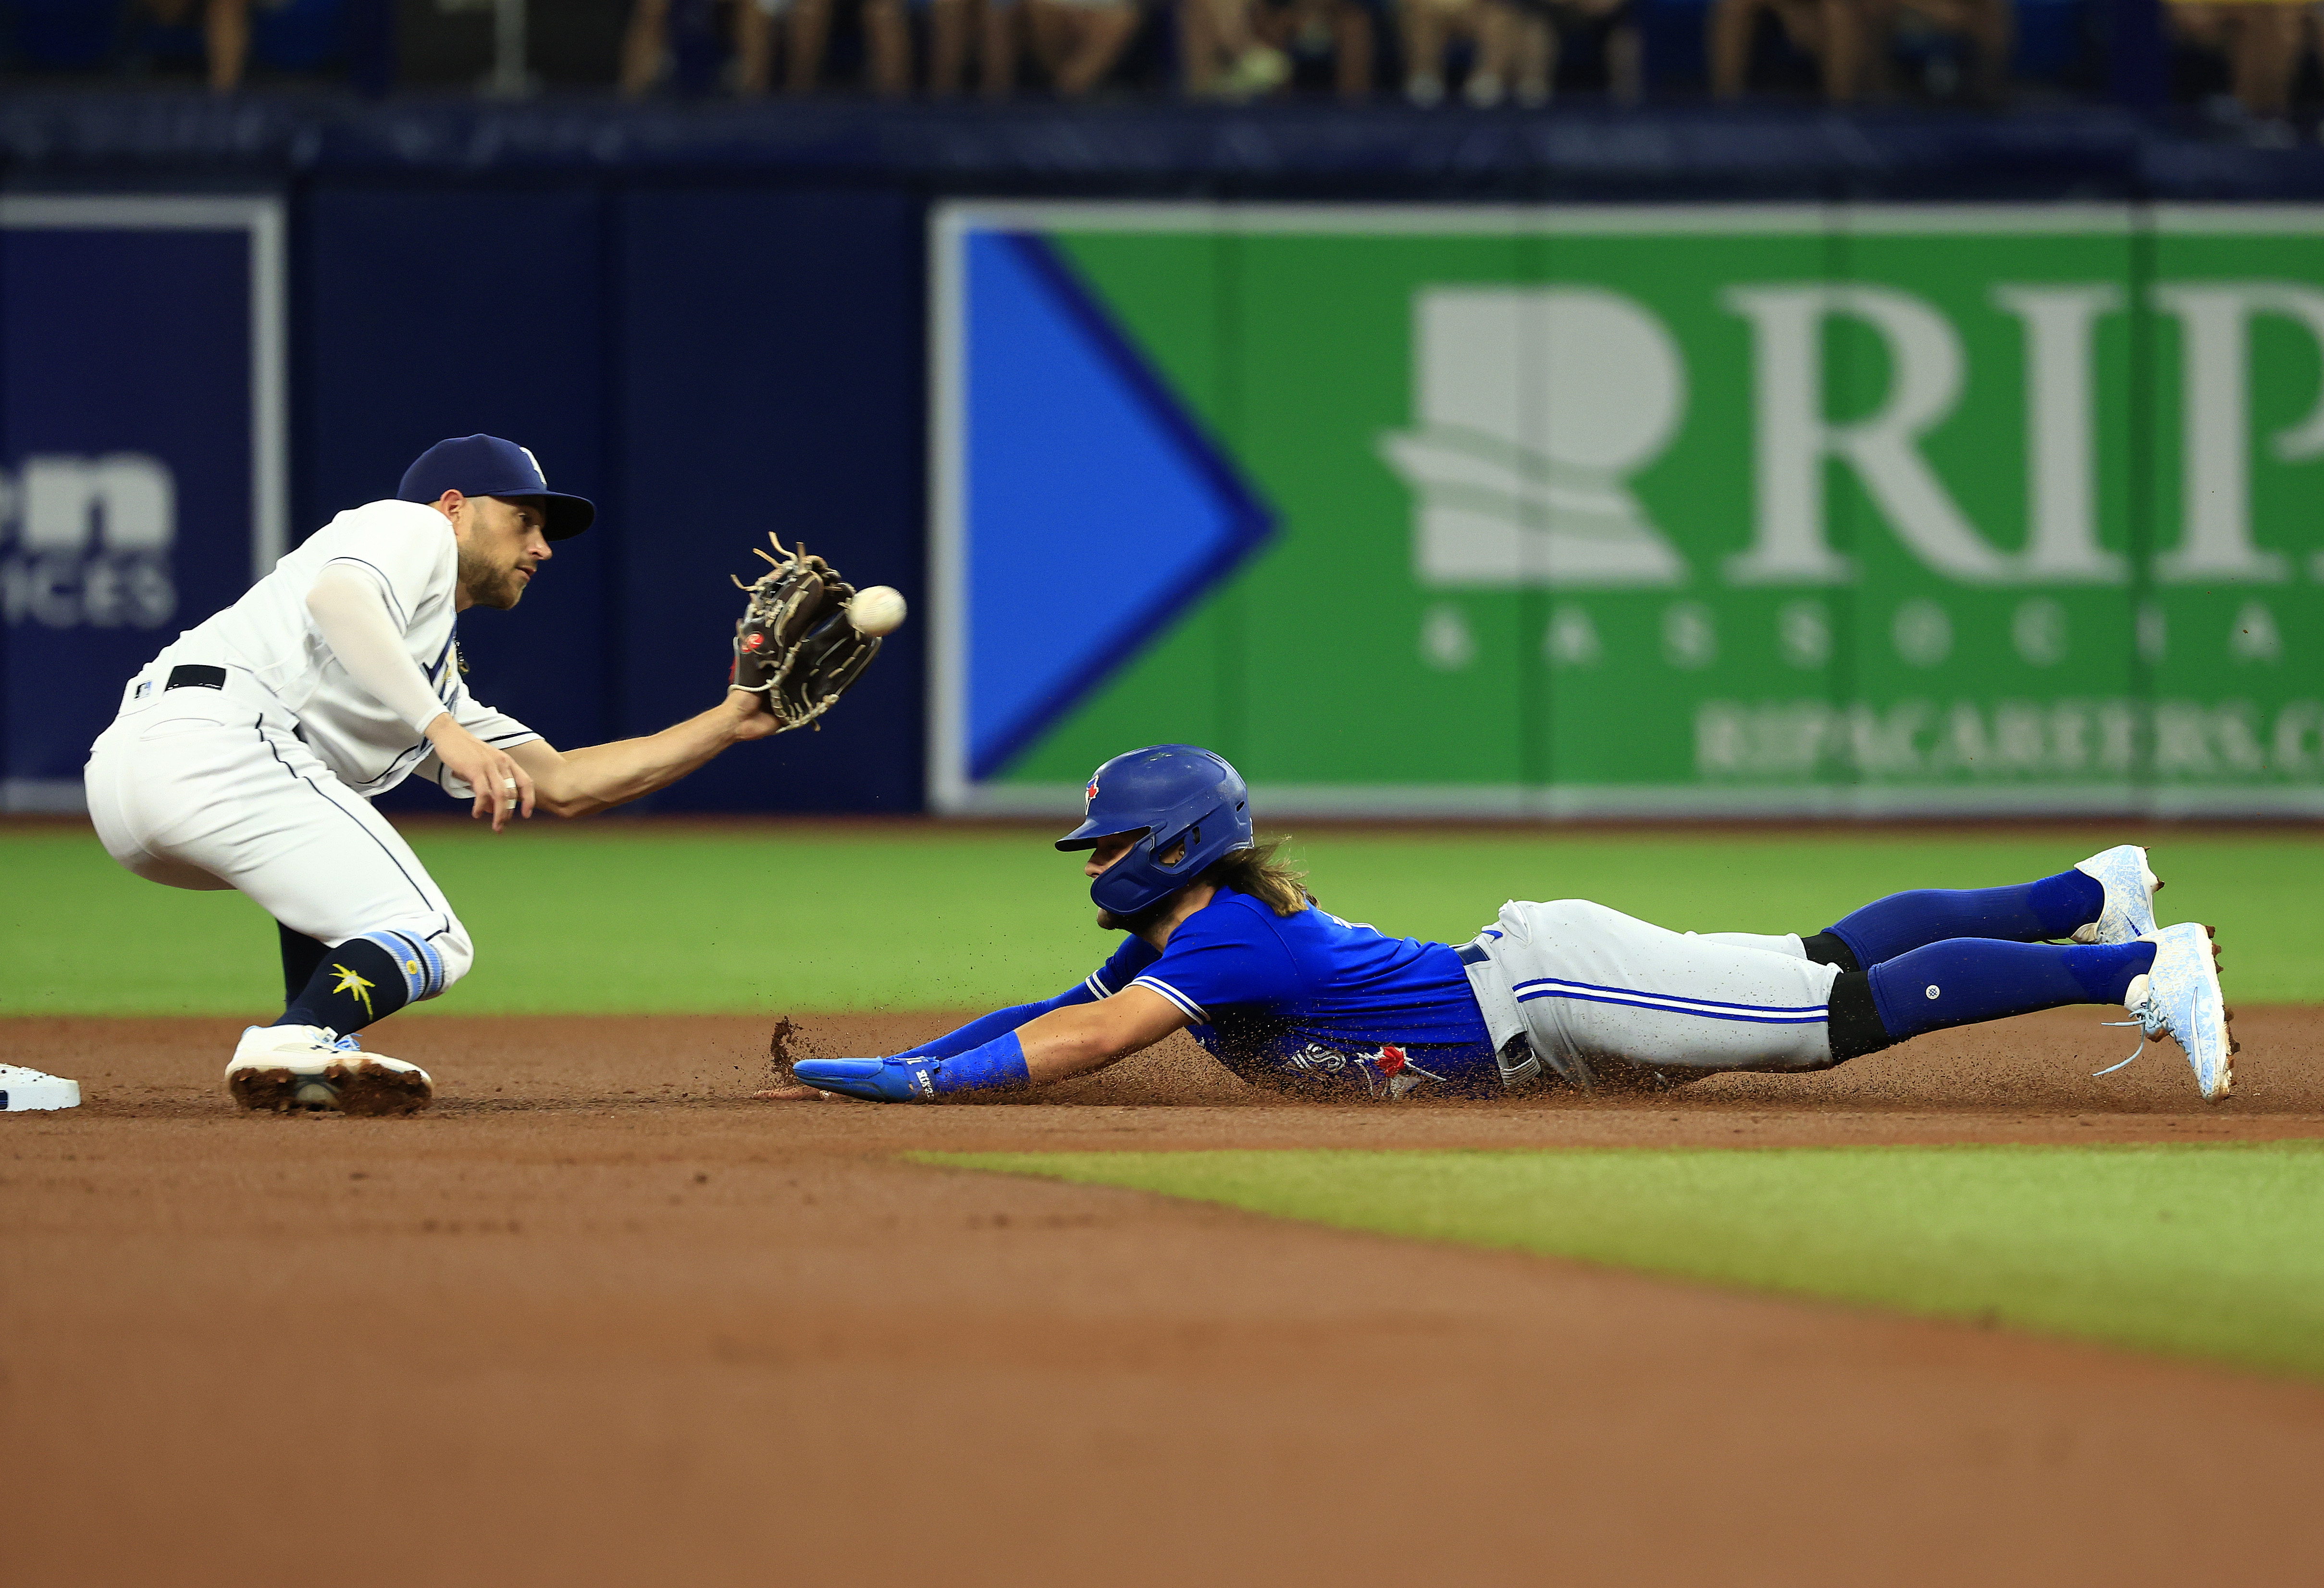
(387, 587)
(1096, 985)
(397, 768)
(1186, 1005)
(1819, 1018)
(1671, 997)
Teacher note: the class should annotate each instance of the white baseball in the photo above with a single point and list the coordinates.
(879, 610)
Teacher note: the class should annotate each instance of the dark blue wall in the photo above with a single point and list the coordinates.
(133, 342)
(771, 382)
(709, 365)
(443, 313)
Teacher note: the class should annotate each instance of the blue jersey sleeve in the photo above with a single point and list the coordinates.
(1224, 953)
(1122, 967)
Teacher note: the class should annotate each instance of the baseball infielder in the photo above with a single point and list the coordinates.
(245, 754)
(1225, 943)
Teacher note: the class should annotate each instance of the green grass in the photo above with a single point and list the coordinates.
(2210, 1251)
(617, 916)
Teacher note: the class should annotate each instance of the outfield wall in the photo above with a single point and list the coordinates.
(1493, 501)
(1606, 510)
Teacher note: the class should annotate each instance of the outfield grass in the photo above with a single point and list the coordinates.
(619, 916)
(2198, 1250)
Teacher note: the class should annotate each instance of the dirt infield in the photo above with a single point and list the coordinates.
(602, 1318)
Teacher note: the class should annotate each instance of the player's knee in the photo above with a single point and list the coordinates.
(457, 952)
(1572, 915)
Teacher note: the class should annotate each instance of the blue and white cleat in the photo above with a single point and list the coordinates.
(283, 1069)
(2130, 888)
(2181, 995)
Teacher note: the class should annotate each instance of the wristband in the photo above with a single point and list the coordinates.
(999, 1063)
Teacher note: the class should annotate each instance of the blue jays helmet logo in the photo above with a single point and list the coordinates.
(1089, 795)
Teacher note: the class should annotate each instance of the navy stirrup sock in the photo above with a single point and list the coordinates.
(355, 984)
(301, 955)
(2023, 912)
(1972, 979)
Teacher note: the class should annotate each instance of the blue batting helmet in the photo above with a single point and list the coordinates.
(1164, 793)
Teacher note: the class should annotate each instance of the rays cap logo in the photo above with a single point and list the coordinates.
(486, 465)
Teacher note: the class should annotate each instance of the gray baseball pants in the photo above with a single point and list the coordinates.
(1597, 992)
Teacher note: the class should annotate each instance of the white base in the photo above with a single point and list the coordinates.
(24, 1090)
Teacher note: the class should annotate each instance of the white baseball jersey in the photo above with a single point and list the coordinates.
(408, 552)
(254, 773)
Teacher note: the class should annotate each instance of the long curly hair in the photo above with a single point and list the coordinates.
(1276, 883)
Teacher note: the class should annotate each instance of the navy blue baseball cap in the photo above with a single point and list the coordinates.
(486, 465)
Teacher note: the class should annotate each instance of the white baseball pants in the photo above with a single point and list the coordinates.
(197, 788)
(1593, 988)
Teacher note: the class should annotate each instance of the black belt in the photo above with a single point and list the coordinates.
(1472, 953)
(195, 676)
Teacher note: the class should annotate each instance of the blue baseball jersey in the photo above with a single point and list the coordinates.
(1310, 996)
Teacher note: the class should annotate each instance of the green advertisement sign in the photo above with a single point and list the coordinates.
(1635, 511)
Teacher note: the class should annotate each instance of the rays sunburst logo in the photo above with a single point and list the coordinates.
(352, 984)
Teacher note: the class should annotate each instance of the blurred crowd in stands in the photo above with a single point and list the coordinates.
(2256, 64)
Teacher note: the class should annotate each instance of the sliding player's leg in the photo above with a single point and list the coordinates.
(2108, 898)
(2168, 981)
(1601, 995)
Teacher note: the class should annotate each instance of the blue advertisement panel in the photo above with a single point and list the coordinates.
(141, 467)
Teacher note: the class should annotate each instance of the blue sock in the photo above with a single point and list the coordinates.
(998, 1063)
(1971, 979)
(2025, 912)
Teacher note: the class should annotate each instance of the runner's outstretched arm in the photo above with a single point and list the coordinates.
(1068, 1041)
(984, 1028)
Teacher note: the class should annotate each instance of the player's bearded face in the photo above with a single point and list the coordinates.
(502, 546)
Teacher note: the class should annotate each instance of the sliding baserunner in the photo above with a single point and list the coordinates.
(1225, 941)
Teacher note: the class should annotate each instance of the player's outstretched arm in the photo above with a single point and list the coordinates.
(1069, 1041)
(582, 782)
(984, 1028)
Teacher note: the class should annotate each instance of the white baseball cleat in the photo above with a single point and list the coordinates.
(2130, 888)
(277, 1069)
(2181, 995)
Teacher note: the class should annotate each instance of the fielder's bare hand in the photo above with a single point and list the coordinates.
(500, 784)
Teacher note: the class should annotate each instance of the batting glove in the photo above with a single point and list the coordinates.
(908, 1079)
